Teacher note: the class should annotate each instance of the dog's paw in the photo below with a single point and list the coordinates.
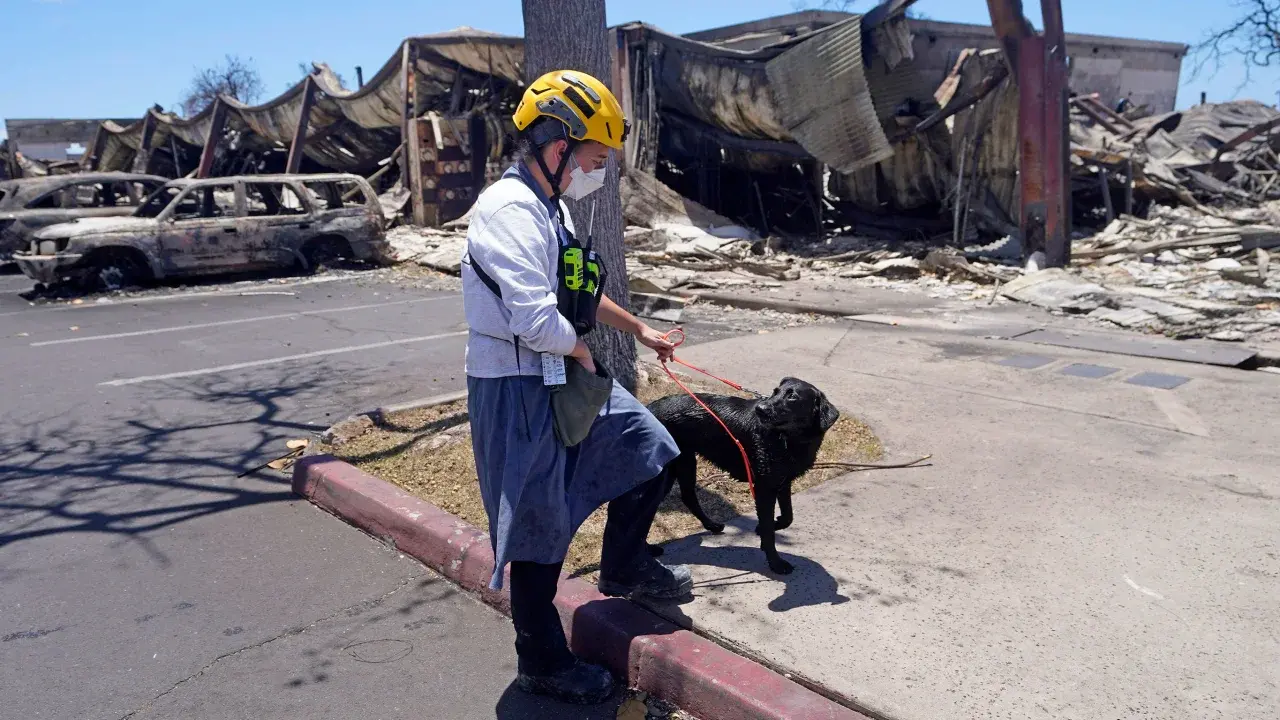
(656, 550)
(782, 523)
(714, 528)
(780, 566)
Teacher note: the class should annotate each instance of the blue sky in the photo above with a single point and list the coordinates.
(102, 58)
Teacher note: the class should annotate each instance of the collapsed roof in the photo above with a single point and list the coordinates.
(347, 130)
(720, 87)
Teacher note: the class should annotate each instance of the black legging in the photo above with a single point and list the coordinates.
(541, 648)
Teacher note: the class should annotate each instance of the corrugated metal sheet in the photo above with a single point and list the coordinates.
(823, 97)
(728, 93)
(1205, 128)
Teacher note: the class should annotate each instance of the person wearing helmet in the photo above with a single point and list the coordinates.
(531, 289)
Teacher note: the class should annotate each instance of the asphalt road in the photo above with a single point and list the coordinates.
(142, 577)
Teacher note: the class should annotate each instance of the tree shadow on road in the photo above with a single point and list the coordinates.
(157, 458)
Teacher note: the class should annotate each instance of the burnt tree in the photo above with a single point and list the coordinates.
(1253, 38)
(235, 78)
(570, 35)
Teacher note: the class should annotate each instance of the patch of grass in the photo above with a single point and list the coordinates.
(427, 452)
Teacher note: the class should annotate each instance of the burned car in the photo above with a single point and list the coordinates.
(216, 225)
(29, 204)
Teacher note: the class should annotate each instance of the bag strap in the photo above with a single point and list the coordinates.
(488, 281)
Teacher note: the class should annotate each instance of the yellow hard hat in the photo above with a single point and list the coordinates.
(587, 108)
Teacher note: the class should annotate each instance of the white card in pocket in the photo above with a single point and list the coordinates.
(553, 369)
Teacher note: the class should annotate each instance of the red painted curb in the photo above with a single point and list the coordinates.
(653, 654)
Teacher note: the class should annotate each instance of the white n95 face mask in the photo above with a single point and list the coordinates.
(582, 184)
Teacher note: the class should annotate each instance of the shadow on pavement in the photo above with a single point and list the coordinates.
(809, 584)
(515, 704)
(131, 470)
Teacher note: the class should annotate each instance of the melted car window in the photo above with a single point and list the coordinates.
(211, 201)
(158, 201)
(266, 199)
(337, 194)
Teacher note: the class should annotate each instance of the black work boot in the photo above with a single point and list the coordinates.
(580, 684)
(650, 578)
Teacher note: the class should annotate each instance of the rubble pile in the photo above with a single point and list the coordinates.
(1187, 273)
(1212, 154)
(440, 250)
(1183, 271)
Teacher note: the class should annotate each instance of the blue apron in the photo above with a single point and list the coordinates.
(535, 491)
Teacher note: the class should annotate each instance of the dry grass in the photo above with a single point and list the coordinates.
(428, 453)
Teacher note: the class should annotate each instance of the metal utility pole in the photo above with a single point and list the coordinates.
(1039, 65)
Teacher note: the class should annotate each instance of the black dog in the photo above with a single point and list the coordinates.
(781, 433)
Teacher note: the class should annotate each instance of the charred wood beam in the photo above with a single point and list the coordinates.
(959, 103)
(1115, 116)
(411, 169)
(217, 123)
(294, 164)
(1104, 182)
(142, 159)
(177, 158)
(1128, 187)
(1246, 136)
(1089, 109)
(373, 179)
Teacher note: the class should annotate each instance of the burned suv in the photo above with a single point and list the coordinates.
(29, 204)
(216, 225)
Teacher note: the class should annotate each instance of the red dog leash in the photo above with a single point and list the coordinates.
(746, 461)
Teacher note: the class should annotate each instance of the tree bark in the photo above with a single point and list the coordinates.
(571, 35)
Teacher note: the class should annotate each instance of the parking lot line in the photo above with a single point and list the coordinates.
(277, 360)
(250, 289)
(221, 323)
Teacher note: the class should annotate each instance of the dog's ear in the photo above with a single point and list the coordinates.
(827, 413)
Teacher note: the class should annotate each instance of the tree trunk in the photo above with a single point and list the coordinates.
(570, 35)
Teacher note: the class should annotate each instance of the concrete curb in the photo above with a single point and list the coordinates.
(653, 654)
(427, 402)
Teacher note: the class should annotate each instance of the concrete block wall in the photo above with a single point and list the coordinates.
(1146, 72)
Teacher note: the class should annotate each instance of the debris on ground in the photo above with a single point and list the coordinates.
(1055, 289)
(640, 705)
(1188, 273)
(436, 249)
(1214, 154)
(297, 448)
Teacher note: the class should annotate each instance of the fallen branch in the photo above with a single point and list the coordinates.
(874, 466)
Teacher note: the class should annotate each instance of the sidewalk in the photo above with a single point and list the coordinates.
(1080, 548)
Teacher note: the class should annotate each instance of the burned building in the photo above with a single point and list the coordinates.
(798, 124)
(39, 146)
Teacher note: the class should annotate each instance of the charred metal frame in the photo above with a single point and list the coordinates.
(142, 159)
(411, 170)
(217, 123)
(294, 162)
(1039, 66)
